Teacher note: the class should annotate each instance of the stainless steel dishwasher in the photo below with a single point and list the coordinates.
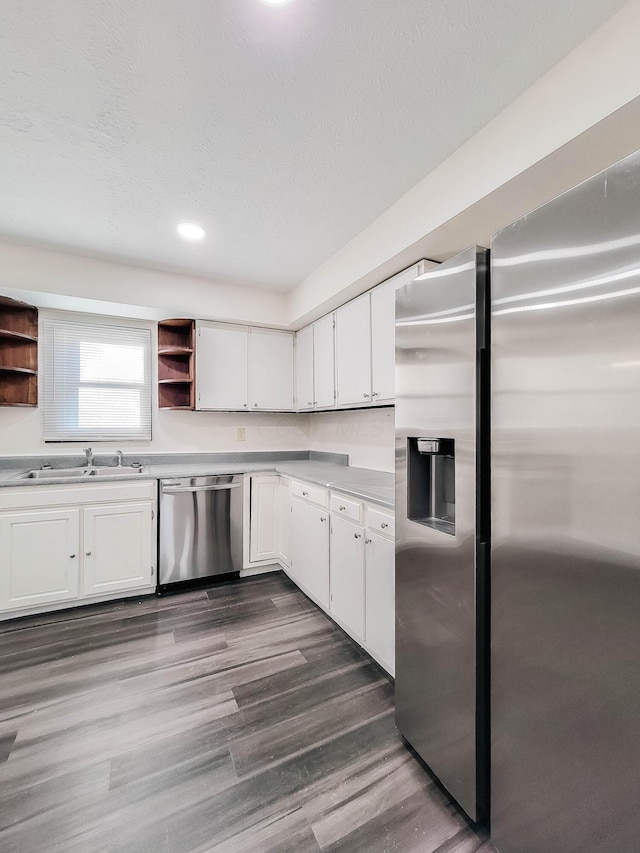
(200, 529)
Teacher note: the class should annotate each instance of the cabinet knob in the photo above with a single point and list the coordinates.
(88, 553)
(384, 525)
(245, 405)
(322, 518)
(305, 494)
(376, 394)
(366, 396)
(342, 508)
(255, 405)
(310, 403)
(357, 535)
(367, 541)
(72, 556)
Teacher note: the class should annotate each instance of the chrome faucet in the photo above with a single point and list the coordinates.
(120, 455)
(88, 452)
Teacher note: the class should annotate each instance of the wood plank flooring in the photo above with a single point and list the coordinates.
(236, 719)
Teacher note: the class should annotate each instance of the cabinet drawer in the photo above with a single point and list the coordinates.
(346, 507)
(381, 522)
(313, 494)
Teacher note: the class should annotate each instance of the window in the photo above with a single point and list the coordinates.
(97, 382)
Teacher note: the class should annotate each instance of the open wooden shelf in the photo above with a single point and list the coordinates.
(4, 369)
(175, 351)
(17, 336)
(18, 353)
(176, 364)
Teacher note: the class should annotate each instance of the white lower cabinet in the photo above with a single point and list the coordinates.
(263, 525)
(347, 574)
(310, 549)
(117, 547)
(39, 557)
(379, 631)
(343, 556)
(283, 522)
(69, 544)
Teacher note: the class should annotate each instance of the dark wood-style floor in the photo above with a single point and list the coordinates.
(237, 720)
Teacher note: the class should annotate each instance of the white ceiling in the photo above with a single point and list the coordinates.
(283, 130)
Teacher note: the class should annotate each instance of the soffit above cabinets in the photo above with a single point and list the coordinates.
(284, 130)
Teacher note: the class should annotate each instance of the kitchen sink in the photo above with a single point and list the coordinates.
(111, 471)
(77, 473)
(50, 473)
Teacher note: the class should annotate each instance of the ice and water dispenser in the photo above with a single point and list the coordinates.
(431, 481)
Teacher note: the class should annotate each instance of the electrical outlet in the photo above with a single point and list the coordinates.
(241, 434)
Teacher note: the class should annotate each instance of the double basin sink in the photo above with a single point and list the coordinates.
(92, 472)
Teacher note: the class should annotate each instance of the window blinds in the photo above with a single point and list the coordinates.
(97, 382)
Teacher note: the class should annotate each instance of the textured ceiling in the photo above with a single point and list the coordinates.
(283, 130)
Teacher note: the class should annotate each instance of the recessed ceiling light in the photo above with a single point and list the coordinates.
(190, 231)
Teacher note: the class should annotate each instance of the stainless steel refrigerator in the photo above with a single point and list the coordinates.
(566, 522)
(442, 523)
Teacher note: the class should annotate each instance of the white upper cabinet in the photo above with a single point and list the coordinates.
(316, 366)
(270, 369)
(324, 363)
(383, 355)
(239, 368)
(221, 366)
(353, 352)
(305, 369)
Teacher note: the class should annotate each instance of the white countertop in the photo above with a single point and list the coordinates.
(364, 483)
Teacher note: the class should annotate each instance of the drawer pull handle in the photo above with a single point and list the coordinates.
(376, 394)
(357, 535)
(322, 518)
(72, 556)
(367, 541)
(366, 396)
(384, 525)
(310, 403)
(342, 508)
(88, 553)
(305, 494)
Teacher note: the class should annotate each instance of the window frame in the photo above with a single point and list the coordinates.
(61, 426)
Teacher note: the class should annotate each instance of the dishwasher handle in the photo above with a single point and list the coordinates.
(173, 491)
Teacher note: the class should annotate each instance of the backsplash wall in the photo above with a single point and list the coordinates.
(367, 435)
(206, 432)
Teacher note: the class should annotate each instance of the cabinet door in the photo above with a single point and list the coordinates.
(39, 557)
(380, 598)
(310, 549)
(221, 366)
(353, 352)
(347, 574)
(304, 369)
(270, 369)
(383, 355)
(324, 362)
(283, 522)
(264, 493)
(117, 543)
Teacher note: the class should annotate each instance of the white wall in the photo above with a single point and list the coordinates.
(72, 282)
(367, 435)
(173, 432)
(595, 80)
(21, 429)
